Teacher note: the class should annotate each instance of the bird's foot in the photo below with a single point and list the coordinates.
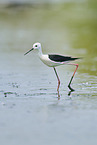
(70, 88)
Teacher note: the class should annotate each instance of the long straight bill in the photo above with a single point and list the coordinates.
(29, 51)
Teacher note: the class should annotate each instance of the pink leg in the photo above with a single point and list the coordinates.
(72, 76)
(57, 78)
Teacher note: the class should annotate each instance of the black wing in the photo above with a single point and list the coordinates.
(60, 58)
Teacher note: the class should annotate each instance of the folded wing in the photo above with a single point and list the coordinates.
(60, 58)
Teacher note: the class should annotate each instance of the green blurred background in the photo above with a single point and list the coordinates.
(67, 27)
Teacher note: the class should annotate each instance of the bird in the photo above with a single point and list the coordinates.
(54, 60)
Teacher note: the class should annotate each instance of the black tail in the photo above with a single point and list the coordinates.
(74, 58)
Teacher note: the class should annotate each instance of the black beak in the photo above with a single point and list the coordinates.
(29, 51)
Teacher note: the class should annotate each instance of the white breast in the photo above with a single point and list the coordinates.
(47, 61)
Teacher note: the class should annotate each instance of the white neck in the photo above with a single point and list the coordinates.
(40, 52)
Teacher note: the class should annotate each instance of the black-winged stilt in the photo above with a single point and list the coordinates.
(53, 60)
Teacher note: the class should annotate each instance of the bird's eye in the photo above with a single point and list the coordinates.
(35, 45)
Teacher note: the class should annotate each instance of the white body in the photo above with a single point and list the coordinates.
(45, 59)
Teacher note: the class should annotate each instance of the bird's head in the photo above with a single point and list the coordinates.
(36, 46)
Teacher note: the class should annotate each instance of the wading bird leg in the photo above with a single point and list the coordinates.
(72, 76)
(57, 78)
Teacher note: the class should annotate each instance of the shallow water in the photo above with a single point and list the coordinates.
(30, 110)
